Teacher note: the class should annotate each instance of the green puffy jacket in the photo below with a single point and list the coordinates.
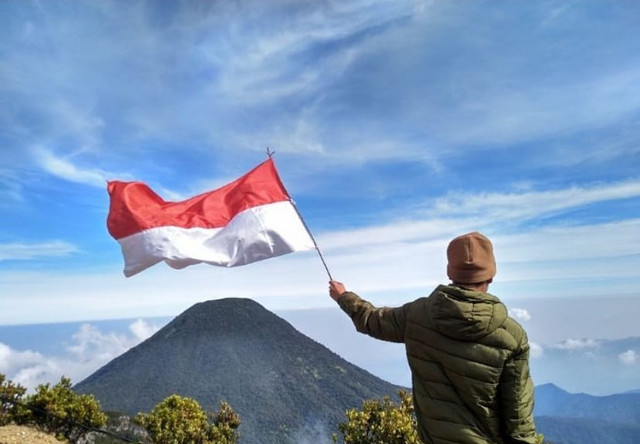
(469, 363)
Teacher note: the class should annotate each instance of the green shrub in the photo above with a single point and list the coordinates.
(540, 440)
(59, 410)
(385, 422)
(10, 394)
(381, 421)
(225, 424)
(181, 420)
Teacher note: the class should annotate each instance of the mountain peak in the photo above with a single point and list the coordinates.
(238, 317)
(281, 382)
(226, 304)
(550, 387)
(221, 308)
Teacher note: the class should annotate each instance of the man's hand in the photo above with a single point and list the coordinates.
(336, 289)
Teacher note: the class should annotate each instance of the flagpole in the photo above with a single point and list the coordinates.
(315, 244)
(270, 153)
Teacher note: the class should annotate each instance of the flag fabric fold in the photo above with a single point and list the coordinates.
(248, 220)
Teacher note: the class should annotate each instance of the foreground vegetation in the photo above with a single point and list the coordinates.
(54, 409)
(380, 421)
(60, 411)
(179, 420)
(384, 421)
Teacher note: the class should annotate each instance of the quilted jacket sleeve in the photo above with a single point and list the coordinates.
(381, 323)
(515, 393)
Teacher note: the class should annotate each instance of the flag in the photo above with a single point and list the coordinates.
(250, 219)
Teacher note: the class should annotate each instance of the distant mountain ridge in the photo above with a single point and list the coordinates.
(621, 408)
(567, 418)
(285, 386)
(586, 431)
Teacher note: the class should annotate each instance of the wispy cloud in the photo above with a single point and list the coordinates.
(355, 82)
(10, 188)
(387, 96)
(292, 54)
(542, 111)
(576, 344)
(275, 64)
(524, 205)
(64, 168)
(388, 272)
(557, 11)
(458, 212)
(27, 251)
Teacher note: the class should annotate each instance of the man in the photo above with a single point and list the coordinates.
(469, 360)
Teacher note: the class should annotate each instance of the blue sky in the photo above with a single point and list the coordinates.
(397, 125)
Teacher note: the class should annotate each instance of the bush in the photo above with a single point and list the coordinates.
(384, 422)
(59, 410)
(381, 421)
(225, 424)
(10, 395)
(181, 420)
(540, 440)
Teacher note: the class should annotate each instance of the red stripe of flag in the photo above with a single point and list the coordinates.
(135, 207)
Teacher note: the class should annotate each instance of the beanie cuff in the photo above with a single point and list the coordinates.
(470, 276)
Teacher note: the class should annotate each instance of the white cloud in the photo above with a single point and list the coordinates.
(535, 350)
(628, 358)
(142, 330)
(272, 68)
(576, 344)
(558, 244)
(27, 368)
(89, 349)
(314, 56)
(520, 314)
(394, 260)
(298, 135)
(458, 213)
(397, 232)
(11, 360)
(526, 205)
(65, 169)
(29, 251)
(72, 120)
(294, 54)
(89, 344)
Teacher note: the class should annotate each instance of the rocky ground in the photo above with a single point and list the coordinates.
(13, 434)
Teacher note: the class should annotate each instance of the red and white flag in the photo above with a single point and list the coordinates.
(250, 219)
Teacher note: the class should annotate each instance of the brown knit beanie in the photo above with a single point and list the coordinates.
(471, 259)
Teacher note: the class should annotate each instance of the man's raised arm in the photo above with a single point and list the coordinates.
(381, 323)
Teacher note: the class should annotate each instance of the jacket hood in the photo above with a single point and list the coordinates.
(464, 314)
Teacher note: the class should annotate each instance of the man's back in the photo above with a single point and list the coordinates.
(469, 361)
(469, 364)
(458, 343)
